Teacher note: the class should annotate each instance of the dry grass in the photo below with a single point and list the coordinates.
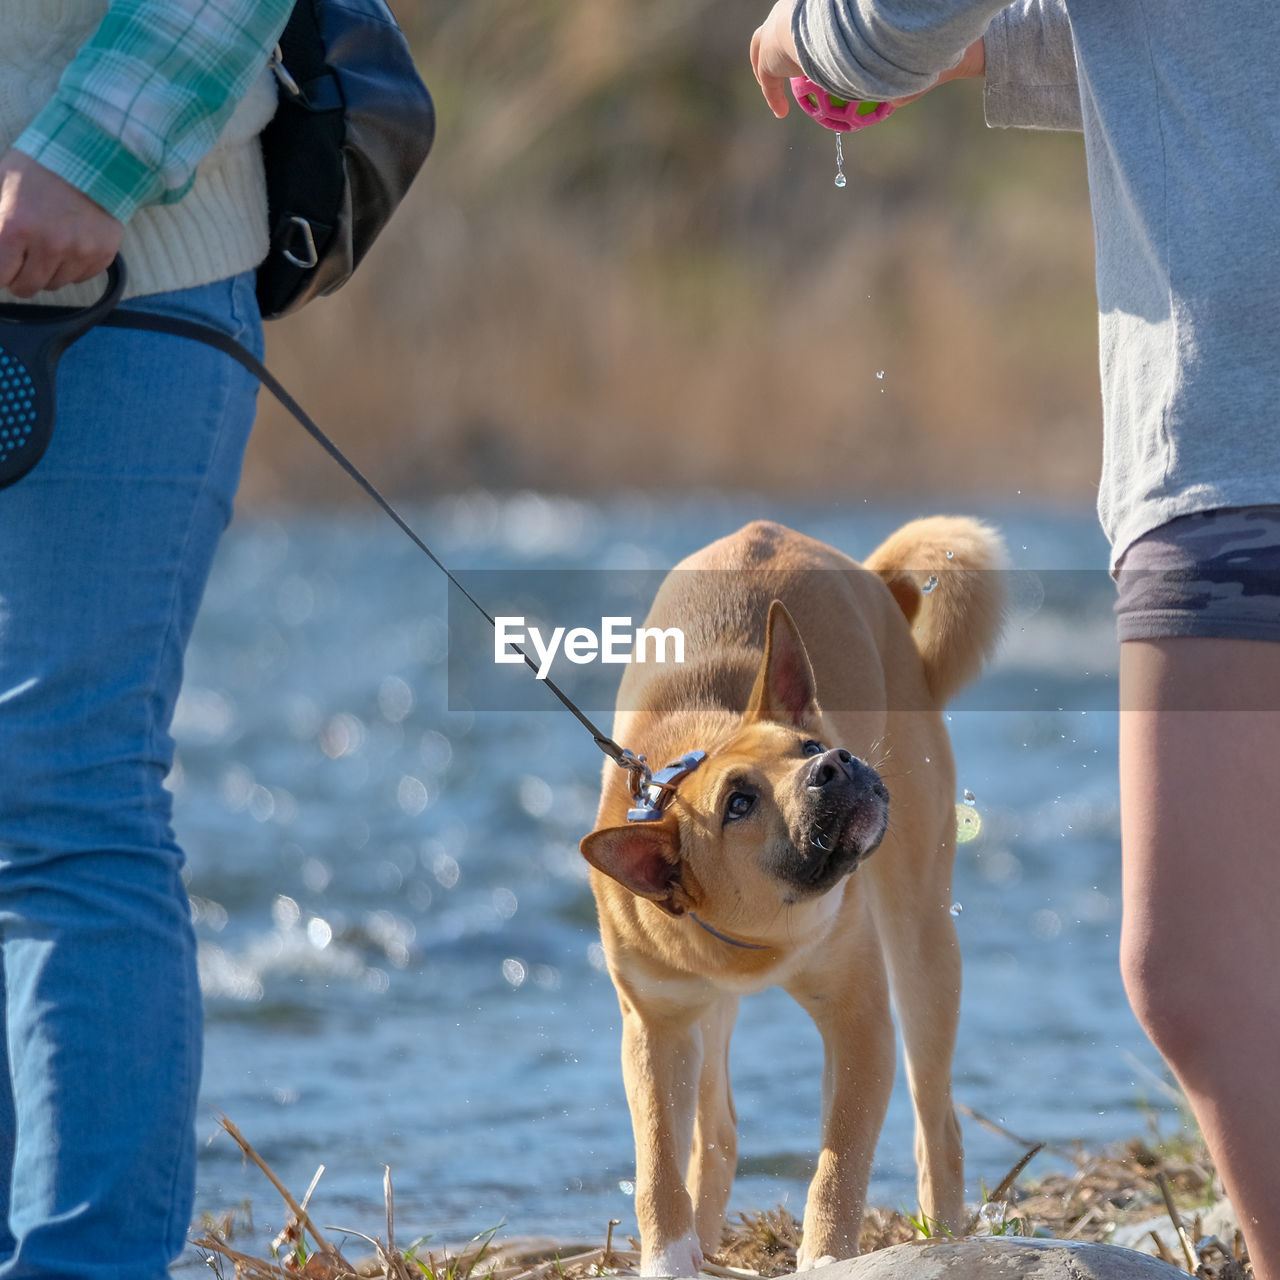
(621, 254)
(1099, 1193)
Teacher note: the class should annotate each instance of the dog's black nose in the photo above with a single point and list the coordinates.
(830, 766)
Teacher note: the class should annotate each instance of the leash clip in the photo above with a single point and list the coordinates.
(652, 791)
(638, 772)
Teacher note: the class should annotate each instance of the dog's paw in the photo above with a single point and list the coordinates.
(807, 1264)
(682, 1257)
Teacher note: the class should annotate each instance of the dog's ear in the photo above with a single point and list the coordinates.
(784, 690)
(643, 857)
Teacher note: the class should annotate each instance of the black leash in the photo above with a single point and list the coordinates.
(650, 791)
(152, 322)
(33, 339)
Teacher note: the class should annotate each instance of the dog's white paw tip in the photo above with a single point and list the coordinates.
(808, 1264)
(683, 1258)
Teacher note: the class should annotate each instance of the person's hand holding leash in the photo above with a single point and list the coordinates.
(51, 234)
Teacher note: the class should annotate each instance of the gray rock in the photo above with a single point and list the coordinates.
(1000, 1258)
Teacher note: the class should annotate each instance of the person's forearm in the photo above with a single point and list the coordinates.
(886, 49)
(146, 97)
(1031, 68)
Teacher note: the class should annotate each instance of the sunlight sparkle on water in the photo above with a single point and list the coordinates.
(968, 823)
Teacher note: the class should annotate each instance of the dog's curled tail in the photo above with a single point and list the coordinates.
(946, 573)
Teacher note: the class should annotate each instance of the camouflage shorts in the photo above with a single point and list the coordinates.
(1212, 573)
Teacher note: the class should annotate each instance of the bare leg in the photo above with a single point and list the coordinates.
(1200, 950)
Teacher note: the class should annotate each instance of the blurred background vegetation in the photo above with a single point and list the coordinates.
(617, 270)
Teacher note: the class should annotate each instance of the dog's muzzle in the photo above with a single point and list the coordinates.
(846, 813)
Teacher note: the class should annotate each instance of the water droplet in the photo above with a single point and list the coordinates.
(880, 374)
(840, 178)
(969, 797)
(994, 1211)
(951, 555)
(956, 908)
(930, 585)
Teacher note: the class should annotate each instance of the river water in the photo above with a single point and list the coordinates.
(398, 945)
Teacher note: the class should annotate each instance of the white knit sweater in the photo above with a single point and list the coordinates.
(218, 229)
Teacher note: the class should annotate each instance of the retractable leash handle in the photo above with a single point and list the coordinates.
(32, 340)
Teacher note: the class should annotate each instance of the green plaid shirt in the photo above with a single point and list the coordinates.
(148, 94)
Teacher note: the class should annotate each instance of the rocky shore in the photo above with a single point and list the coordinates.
(1135, 1212)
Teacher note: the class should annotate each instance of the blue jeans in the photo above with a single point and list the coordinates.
(104, 552)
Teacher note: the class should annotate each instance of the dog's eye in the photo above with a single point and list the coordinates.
(739, 804)
(812, 747)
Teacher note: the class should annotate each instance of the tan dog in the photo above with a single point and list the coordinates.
(802, 670)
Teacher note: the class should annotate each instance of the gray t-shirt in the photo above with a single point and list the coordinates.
(1179, 101)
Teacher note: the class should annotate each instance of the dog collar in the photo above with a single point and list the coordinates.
(652, 791)
(724, 937)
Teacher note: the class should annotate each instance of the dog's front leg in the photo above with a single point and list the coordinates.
(661, 1058)
(857, 1079)
(714, 1158)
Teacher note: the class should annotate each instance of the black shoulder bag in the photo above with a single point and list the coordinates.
(353, 126)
